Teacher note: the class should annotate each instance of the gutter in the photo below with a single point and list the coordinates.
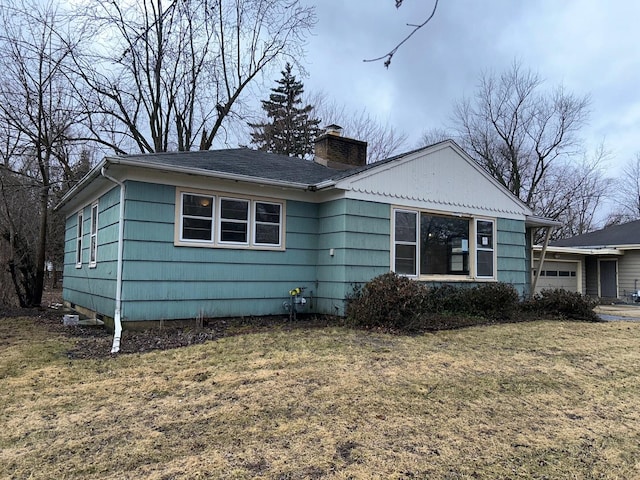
(115, 348)
(540, 261)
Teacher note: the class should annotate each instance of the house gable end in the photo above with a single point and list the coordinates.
(441, 177)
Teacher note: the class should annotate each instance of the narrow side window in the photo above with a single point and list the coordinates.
(93, 242)
(484, 248)
(79, 239)
(405, 232)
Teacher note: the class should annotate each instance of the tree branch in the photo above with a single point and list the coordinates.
(390, 55)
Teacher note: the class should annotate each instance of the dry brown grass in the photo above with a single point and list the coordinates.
(529, 400)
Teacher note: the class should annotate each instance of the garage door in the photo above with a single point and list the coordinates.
(558, 275)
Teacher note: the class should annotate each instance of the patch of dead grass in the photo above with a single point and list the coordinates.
(528, 400)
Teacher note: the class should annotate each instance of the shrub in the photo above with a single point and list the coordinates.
(562, 303)
(388, 300)
(396, 302)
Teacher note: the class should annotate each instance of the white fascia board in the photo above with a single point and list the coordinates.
(580, 251)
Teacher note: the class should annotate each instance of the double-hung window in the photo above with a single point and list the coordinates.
(406, 241)
(484, 248)
(79, 234)
(431, 245)
(268, 221)
(234, 221)
(196, 219)
(93, 239)
(226, 221)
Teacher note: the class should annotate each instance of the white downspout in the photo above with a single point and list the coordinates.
(115, 348)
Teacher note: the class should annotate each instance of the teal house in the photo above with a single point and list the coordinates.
(175, 236)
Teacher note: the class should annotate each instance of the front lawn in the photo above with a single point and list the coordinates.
(527, 400)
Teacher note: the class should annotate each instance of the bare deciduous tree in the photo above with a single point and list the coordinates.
(383, 141)
(627, 194)
(167, 75)
(528, 139)
(572, 192)
(435, 135)
(517, 131)
(38, 113)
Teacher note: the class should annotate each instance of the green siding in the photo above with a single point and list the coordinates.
(513, 266)
(93, 287)
(164, 281)
(359, 234)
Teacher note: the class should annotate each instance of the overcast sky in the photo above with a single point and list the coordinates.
(591, 47)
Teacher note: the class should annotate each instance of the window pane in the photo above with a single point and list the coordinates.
(196, 229)
(268, 234)
(234, 209)
(94, 249)
(267, 212)
(405, 227)
(197, 205)
(405, 259)
(94, 219)
(485, 263)
(485, 234)
(444, 245)
(233, 232)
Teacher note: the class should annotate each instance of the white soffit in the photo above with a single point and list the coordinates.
(441, 178)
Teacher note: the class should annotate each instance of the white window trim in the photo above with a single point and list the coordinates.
(93, 236)
(251, 244)
(472, 276)
(79, 237)
(415, 244)
(181, 217)
(481, 249)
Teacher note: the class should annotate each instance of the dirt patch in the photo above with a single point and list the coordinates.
(96, 342)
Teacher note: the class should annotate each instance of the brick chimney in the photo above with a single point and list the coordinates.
(335, 151)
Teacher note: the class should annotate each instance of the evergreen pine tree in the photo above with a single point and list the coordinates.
(290, 129)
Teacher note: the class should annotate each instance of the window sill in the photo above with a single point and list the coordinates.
(227, 246)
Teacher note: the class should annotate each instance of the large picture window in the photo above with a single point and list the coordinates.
(227, 221)
(444, 245)
(426, 244)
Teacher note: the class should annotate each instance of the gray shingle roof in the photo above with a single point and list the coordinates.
(615, 235)
(246, 162)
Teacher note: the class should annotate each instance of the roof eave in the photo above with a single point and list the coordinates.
(105, 162)
(210, 173)
(581, 250)
(537, 222)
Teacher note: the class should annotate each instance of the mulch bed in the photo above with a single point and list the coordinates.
(96, 342)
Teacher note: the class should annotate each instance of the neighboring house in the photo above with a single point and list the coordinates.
(603, 264)
(229, 232)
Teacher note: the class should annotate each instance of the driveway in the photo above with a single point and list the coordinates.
(619, 312)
